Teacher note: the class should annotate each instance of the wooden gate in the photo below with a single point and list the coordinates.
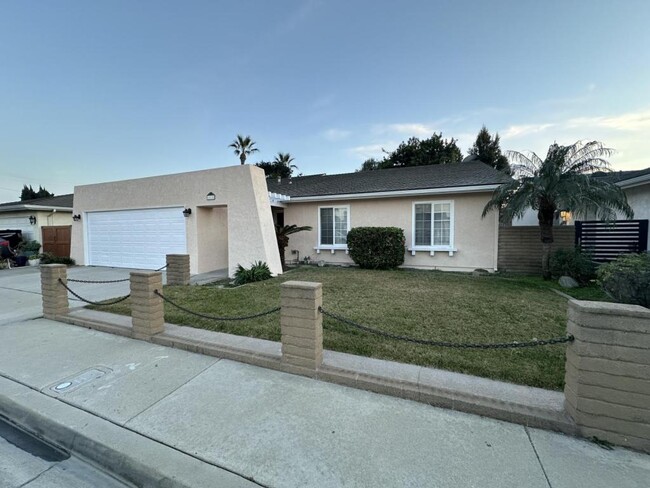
(56, 240)
(607, 240)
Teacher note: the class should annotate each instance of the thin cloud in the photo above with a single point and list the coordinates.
(413, 129)
(370, 150)
(515, 131)
(335, 135)
(631, 121)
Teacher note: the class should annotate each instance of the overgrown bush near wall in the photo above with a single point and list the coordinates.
(574, 263)
(47, 258)
(627, 279)
(376, 247)
(259, 271)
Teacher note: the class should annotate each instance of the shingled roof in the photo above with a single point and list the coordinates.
(395, 179)
(61, 201)
(619, 176)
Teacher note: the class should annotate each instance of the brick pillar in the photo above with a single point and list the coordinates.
(302, 327)
(178, 269)
(55, 296)
(608, 372)
(147, 311)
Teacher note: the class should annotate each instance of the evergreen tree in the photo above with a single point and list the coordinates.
(28, 193)
(416, 152)
(488, 150)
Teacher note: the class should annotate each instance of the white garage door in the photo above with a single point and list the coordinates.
(135, 238)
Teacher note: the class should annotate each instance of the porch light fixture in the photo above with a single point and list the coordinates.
(210, 196)
(76, 218)
(32, 219)
(187, 212)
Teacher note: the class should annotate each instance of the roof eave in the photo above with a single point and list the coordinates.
(38, 208)
(639, 180)
(397, 193)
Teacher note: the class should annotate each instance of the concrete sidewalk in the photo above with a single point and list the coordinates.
(282, 430)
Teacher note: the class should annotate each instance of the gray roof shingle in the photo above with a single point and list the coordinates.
(394, 179)
(618, 176)
(64, 201)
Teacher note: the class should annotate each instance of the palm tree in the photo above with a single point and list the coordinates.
(285, 159)
(282, 233)
(562, 181)
(243, 147)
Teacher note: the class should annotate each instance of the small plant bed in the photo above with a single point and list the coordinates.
(424, 304)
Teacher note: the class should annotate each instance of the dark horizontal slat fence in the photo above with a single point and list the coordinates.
(520, 247)
(608, 240)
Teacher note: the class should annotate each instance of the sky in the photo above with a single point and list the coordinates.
(101, 91)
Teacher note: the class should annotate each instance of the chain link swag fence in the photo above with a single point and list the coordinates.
(113, 302)
(454, 345)
(214, 317)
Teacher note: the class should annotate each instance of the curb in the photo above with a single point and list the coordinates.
(123, 453)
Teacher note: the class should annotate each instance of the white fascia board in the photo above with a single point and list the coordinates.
(400, 193)
(37, 208)
(639, 180)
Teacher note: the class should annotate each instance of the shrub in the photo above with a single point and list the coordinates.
(574, 263)
(48, 258)
(259, 271)
(627, 279)
(28, 248)
(376, 247)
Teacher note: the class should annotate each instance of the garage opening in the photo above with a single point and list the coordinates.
(135, 238)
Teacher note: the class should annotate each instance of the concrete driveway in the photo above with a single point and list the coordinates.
(21, 288)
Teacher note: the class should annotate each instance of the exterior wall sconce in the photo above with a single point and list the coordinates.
(76, 218)
(210, 196)
(32, 219)
(187, 212)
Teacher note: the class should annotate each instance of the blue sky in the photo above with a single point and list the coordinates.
(99, 91)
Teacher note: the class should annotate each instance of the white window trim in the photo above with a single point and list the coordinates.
(332, 247)
(451, 248)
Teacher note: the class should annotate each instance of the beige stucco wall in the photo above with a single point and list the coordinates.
(20, 220)
(241, 189)
(475, 238)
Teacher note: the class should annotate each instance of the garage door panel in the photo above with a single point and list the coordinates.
(135, 238)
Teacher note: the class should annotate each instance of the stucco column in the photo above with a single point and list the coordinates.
(147, 308)
(608, 372)
(302, 327)
(55, 296)
(178, 269)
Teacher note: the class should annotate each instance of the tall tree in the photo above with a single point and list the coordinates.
(280, 167)
(562, 181)
(244, 147)
(488, 150)
(416, 152)
(28, 193)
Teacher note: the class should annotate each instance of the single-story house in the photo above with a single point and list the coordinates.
(31, 216)
(220, 217)
(438, 206)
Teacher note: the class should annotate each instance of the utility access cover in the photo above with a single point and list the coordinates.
(73, 382)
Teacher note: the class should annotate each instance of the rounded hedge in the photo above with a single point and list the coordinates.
(627, 279)
(377, 247)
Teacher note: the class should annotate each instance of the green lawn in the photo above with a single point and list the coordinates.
(425, 304)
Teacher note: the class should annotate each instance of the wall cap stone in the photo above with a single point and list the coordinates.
(303, 285)
(606, 308)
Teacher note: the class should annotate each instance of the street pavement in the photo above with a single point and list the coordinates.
(28, 462)
(282, 430)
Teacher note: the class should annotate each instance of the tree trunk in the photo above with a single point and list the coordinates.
(545, 217)
(284, 266)
(242, 158)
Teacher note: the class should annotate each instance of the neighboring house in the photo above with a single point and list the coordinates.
(635, 183)
(438, 206)
(220, 217)
(31, 216)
